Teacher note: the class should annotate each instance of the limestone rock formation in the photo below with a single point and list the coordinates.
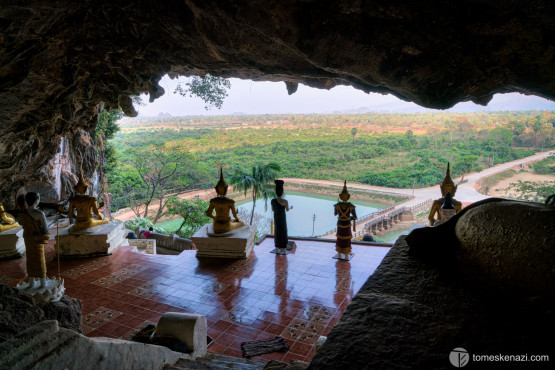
(19, 312)
(67, 312)
(411, 313)
(509, 245)
(47, 346)
(61, 60)
(501, 246)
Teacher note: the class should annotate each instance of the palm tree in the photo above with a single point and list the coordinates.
(259, 180)
(354, 131)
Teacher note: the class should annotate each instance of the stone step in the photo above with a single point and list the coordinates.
(217, 361)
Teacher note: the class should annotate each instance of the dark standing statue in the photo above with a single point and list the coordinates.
(279, 207)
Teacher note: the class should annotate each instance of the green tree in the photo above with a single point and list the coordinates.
(465, 165)
(354, 131)
(211, 89)
(518, 129)
(192, 211)
(545, 166)
(259, 180)
(105, 130)
(501, 135)
(536, 127)
(162, 170)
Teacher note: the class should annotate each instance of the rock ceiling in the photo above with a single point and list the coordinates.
(60, 59)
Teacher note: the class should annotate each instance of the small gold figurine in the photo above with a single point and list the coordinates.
(7, 221)
(85, 205)
(346, 213)
(222, 205)
(446, 186)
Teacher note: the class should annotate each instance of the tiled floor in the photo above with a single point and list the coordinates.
(299, 296)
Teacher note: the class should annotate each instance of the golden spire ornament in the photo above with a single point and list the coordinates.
(82, 185)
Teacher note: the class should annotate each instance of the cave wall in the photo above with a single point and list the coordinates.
(60, 60)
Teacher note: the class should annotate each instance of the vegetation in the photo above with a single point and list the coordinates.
(529, 190)
(149, 173)
(489, 182)
(545, 166)
(258, 181)
(192, 213)
(213, 90)
(145, 224)
(391, 150)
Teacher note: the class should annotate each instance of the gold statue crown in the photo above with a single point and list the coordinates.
(82, 185)
(221, 183)
(447, 184)
(344, 193)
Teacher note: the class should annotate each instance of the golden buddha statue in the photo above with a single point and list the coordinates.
(222, 204)
(346, 213)
(446, 186)
(85, 205)
(7, 221)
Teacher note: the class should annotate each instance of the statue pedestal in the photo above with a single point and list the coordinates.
(236, 243)
(97, 241)
(52, 291)
(344, 256)
(12, 244)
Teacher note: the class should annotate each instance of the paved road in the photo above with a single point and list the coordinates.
(465, 192)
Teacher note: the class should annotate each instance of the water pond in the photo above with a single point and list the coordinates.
(392, 236)
(299, 219)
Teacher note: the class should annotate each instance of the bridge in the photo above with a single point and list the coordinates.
(383, 219)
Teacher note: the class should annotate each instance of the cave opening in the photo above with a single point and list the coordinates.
(60, 60)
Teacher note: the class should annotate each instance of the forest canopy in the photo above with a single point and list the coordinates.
(392, 150)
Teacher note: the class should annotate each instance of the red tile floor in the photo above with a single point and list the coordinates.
(299, 296)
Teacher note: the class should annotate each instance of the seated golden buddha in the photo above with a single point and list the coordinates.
(7, 221)
(222, 205)
(82, 207)
(446, 186)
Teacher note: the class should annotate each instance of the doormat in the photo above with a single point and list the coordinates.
(260, 347)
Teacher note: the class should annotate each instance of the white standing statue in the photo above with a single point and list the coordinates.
(35, 234)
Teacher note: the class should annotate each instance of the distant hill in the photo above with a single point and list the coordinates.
(500, 102)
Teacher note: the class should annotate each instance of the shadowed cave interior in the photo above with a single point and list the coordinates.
(60, 61)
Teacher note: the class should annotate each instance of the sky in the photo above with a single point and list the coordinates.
(253, 97)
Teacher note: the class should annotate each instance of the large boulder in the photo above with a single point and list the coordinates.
(411, 313)
(19, 312)
(47, 346)
(482, 281)
(509, 246)
(497, 244)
